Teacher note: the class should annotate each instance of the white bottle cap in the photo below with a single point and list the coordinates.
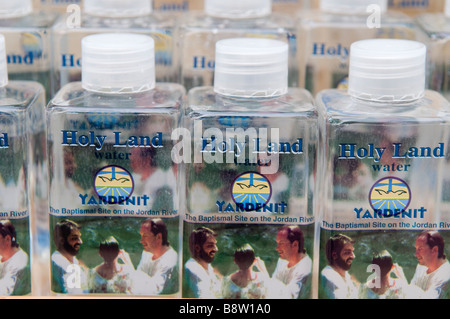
(15, 8)
(251, 67)
(117, 8)
(352, 6)
(447, 8)
(387, 70)
(235, 9)
(118, 63)
(3, 63)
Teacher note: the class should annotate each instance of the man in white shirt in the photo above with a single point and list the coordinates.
(201, 279)
(68, 274)
(432, 274)
(294, 265)
(13, 261)
(159, 260)
(336, 281)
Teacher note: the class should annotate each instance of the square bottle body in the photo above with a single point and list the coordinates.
(249, 170)
(111, 170)
(23, 181)
(382, 180)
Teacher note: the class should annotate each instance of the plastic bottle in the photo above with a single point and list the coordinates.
(382, 174)
(22, 148)
(249, 170)
(109, 138)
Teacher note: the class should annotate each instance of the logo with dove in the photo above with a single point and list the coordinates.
(251, 190)
(113, 184)
(390, 193)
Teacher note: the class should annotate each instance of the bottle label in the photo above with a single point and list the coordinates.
(174, 5)
(245, 182)
(113, 183)
(379, 187)
(412, 6)
(386, 186)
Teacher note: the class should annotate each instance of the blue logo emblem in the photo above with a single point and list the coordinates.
(113, 184)
(251, 191)
(390, 195)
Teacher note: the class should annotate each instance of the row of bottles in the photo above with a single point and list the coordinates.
(46, 48)
(410, 7)
(151, 185)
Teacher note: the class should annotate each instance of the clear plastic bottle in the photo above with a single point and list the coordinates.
(109, 139)
(384, 159)
(249, 168)
(325, 36)
(198, 32)
(437, 28)
(100, 16)
(22, 148)
(27, 36)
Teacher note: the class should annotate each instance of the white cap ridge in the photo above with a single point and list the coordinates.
(387, 70)
(351, 6)
(15, 8)
(238, 9)
(117, 8)
(251, 67)
(118, 63)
